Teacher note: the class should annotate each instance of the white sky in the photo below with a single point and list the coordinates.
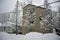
(9, 5)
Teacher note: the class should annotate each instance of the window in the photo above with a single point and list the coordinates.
(40, 17)
(31, 10)
(32, 21)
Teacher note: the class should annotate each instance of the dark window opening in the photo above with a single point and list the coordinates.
(40, 18)
(32, 21)
(31, 10)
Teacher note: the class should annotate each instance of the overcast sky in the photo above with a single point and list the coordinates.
(9, 5)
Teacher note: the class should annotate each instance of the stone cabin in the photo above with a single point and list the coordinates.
(31, 20)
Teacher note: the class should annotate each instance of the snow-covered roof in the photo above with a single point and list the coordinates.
(34, 6)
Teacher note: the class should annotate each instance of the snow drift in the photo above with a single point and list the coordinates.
(29, 36)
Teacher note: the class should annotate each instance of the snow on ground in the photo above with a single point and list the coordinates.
(40, 36)
(51, 36)
(6, 36)
(29, 36)
(34, 36)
